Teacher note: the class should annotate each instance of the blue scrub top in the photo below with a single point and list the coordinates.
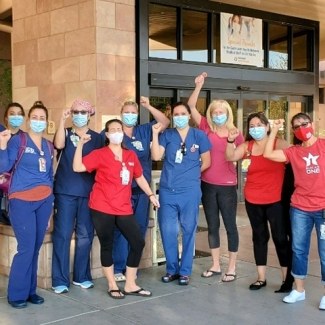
(2, 128)
(187, 173)
(140, 144)
(66, 180)
(27, 175)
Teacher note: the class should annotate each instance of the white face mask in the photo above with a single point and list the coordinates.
(116, 137)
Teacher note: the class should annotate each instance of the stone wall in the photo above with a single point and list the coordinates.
(74, 49)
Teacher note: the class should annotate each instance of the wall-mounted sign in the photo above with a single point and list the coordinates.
(241, 40)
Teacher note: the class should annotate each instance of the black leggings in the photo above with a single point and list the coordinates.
(216, 199)
(259, 215)
(104, 224)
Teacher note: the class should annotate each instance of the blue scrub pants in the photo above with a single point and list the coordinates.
(179, 208)
(71, 214)
(121, 248)
(29, 222)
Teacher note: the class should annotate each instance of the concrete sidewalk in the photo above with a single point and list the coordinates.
(204, 301)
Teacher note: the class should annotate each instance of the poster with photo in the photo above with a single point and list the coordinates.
(241, 40)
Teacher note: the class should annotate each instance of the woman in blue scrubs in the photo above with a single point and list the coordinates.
(30, 202)
(71, 211)
(187, 154)
(136, 138)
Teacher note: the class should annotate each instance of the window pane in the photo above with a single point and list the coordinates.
(216, 38)
(162, 32)
(278, 55)
(195, 40)
(301, 54)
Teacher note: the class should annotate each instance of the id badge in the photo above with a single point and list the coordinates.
(42, 165)
(179, 156)
(322, 231)
(245, 164)
(125, 175)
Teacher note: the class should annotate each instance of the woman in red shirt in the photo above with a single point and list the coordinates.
(262, 193)
(110, 203)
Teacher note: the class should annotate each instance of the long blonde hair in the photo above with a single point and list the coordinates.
(222, 104)
(129, 101)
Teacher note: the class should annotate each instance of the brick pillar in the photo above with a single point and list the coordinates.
(69, 49)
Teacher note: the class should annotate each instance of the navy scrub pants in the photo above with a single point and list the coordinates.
(140, 205)
(29, 222)
(179, 208)
(71, 213)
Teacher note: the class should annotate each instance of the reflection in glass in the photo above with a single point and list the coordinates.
(162, 32)
(300, 51)
(278, 110)
(195, 40)
(163, 104)
(278, 54)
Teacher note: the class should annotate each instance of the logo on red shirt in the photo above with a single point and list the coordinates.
(311, 164)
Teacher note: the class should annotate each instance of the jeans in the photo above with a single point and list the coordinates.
(302, 223)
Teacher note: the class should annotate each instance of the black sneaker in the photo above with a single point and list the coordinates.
(169, 277)
(183, 280)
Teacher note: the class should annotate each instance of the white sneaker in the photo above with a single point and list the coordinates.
(119, 277)
(322, 303)
(295, 296)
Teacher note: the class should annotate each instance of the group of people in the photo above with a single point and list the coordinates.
(102, 183)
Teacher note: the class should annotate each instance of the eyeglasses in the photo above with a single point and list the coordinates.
(302, 125)
(183, 149)
(75, 112)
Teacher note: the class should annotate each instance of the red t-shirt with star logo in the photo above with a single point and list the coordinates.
(308, 164)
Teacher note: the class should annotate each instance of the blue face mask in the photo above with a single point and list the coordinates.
(180, 121)
(15, 121)
(129, 119)
(257, 133)
(38, 126)
(80, 120)
(220, 119)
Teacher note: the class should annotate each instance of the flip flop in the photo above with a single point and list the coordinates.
(138, 293)
(115, 297)
(233, 279)
(213, 273)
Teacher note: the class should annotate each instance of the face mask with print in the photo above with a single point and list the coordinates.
(15, 121)
(180, 121)
(220, 119)
(80, 120)
(116, 137)
(304, 134)
(129, 119)
(38, 126)
(257, 133)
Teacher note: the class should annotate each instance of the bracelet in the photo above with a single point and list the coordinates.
(230, 141)
(151, 195)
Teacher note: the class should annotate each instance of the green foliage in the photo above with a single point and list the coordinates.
(5, 82)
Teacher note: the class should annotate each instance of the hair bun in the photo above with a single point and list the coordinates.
(129, 100)
(38, 102)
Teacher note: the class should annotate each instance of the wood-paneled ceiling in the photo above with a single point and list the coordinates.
(309, 9)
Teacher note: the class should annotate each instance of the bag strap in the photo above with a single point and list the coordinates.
(22, 148)
(60, 155)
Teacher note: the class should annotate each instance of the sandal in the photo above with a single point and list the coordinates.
(257, 285)
(206, 274)
(120, 296)
(233, 276)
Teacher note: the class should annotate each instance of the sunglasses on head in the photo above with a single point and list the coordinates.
(75, 112)
(302, 125)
